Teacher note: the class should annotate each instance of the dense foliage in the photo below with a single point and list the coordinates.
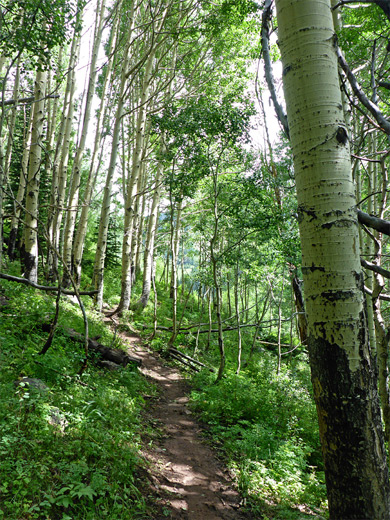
(171, 194)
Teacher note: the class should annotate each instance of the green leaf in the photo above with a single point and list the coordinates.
(84, 491)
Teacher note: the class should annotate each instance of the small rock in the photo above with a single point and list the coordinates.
(57, 419)
(32, 383)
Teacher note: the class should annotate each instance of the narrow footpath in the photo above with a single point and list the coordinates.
(187, 479)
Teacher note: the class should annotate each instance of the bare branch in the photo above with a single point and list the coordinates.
(358, 91)
(25, 281)
(374, 222)
(376, 268)
(265, 20)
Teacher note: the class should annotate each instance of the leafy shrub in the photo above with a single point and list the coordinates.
(86, 467)
(267, 425)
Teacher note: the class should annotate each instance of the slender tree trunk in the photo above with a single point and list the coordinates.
(81, 230)
(11, 124)
(381, 334)
(342, 365)
(149, 242)
(74, 189)
(30, 254)
(175, 238)
(216, 279)
(132, 189)
(60, 162)
(210, 319)
(238, 320)
(280, 328)
(101, 246)
(15, 221)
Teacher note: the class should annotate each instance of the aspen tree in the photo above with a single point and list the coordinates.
(149, 241)
(238, 320)
(74, 189)
(104, 110)
(132, 187)
(61, 159)
(98, 273)
(15, 220)
(30, 253)
(11, 124)
(174, 246)
(342, 364)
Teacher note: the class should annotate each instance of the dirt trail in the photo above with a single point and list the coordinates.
(188, 480)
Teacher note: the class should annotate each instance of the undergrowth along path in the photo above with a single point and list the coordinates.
(187, 479)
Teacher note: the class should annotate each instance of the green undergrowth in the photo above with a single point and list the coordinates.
(267, 427)
(264, 423)
(71, 450)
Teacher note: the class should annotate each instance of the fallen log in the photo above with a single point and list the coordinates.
(174, 351)
(110, 354)
(181, 360)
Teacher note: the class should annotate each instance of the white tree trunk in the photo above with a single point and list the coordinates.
(343, 368)
(74, 192)
(31, 218)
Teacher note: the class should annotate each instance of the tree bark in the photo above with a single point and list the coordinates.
(30, 255)
(343, 367)
(74, 189)
(149, 242)
(98, 273)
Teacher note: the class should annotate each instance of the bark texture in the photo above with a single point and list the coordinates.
(343, 367)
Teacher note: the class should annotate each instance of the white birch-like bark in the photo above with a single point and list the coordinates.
(343, 368)
(101, 246)
(175, 238)
(60, 162)
(238, 320)
(104, 110)
(30, 255)
(132, 187)
(74, 190)
(11, 123)
(149, 241)
(15, 220)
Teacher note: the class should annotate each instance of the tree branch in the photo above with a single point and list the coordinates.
(376, 268)
(374, 222)
(265, 19)
(383, 4)
(27, 100)
(358, 91)
(384, 297)
(25, 281)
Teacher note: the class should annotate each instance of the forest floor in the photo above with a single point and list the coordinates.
(186, 479)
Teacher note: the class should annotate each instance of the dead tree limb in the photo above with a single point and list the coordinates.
(265, 22)
(44, 287)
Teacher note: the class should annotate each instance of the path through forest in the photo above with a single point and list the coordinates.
(188, 481)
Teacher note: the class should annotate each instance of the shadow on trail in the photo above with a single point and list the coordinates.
(187, 478)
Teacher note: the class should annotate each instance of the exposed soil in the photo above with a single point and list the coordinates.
(187, 479)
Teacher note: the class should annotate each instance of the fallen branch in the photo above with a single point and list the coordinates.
(44, 287)
(174, 351)
(184, 362)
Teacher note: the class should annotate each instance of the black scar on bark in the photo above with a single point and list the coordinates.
(342, 135)
(309, 212)
(333, 296)
(312, 268)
